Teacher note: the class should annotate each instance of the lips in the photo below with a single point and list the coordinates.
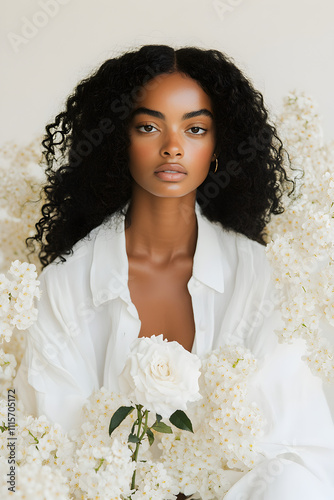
(171, 167)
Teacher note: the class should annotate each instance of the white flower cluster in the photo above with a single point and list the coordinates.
(302, 238)
(154, 482)
(20, 202)
(7, 366)
(104, 471)
(227, 426)
(102, 466)
(88, 464)
(43, 454)
(17, 298)
(36, 482)
(15, 346)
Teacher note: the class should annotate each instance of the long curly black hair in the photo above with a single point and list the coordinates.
(86, 149)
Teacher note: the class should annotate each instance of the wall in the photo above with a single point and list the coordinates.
(49, 45)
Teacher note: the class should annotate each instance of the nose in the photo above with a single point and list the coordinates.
(171, 146)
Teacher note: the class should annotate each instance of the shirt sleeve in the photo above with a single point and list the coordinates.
(298, 444)
(58, 371)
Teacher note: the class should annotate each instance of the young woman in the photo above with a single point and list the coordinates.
(162, 174)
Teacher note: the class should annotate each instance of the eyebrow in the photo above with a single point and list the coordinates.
(157, 114)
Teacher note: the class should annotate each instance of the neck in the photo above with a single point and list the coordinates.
(161, 229)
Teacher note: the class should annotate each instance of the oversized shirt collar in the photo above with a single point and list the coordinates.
(109, 269)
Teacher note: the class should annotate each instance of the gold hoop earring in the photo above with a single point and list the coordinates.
(215, 170)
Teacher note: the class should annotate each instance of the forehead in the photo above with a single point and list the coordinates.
(173, 91)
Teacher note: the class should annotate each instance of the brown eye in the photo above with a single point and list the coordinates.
(148, 128)
(196, 130)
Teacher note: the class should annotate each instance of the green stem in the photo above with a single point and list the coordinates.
(135, 454)
(145, 427)
(140, 436)
(101, 462)
(35, 438)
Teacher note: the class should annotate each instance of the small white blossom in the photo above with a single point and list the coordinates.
(301, 249)
(36, 482)
(7, 366)
(17, 297)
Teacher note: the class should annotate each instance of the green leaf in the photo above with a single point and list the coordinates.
(150, 436)
(161, 427)
(158, 419)
(133, 438)
(119, 416)
(133, 427)
(3, 427)
(181, 421)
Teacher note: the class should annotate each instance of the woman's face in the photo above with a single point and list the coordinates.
(171, 128)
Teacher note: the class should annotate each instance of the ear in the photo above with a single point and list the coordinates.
(214, 156)
(216, 153)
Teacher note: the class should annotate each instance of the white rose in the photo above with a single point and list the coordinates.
(160, 375)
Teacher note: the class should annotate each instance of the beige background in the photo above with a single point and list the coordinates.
(49, 45)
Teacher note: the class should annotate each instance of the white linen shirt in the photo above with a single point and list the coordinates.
(87, 322)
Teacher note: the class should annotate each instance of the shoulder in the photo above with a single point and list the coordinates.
(82, 254)
(246, 268)
(69, 280)
(238, 249)
(76, 262)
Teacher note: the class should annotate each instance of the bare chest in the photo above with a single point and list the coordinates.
(163, 301)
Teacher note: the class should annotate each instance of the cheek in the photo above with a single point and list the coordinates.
(203, 155)
(139, 159)
(140, 150)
